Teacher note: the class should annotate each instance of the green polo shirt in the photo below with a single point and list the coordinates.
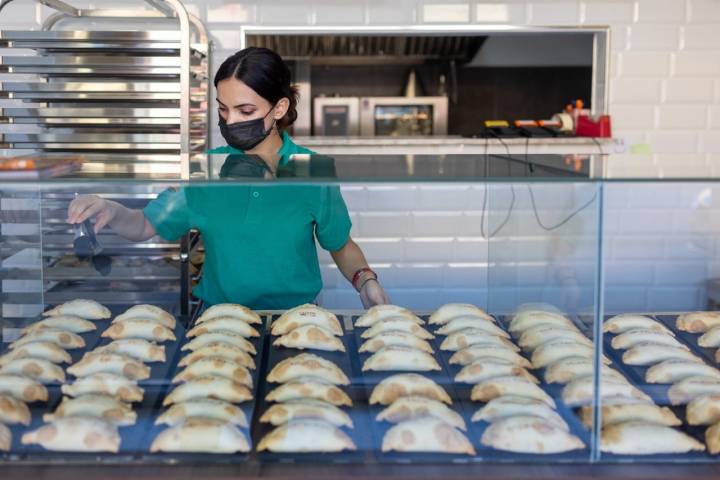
(259, 239)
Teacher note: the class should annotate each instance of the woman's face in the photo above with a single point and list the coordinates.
(239, 103)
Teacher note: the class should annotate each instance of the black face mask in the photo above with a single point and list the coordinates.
(245, 135)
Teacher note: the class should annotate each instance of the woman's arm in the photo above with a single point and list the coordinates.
(349, 260)
(128, 223)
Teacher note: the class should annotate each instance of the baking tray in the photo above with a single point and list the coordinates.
(358, 412)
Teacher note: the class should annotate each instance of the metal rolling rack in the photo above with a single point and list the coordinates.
(130, 103)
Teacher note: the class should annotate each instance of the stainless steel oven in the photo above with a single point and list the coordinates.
(403, 116)
(336, 116)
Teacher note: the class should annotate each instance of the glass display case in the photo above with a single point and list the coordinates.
(515, 279)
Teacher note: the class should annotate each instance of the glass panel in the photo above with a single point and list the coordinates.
(403, 121)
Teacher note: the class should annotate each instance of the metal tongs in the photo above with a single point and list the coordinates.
(86, 245)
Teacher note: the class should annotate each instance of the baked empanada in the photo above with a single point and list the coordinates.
(512, 405)
(509, 385)
(89, 309)
(137, 348)
(644, 438)
(209, 386)
(671, 371)
(311, 337)
(407, 385)
(105, 407)
(221, 367)
(697, 322)
(631, 412)
(535, 336)
(568, 369)
(704, 410)
(476, 323)
(116, 363)
(201, 435)
(105, 384)
(551, 352)
(230, 310)
(401, 339)
(13, 410)
(447, 312)
(68, 323)
(486, 369)
(23, 388)
(223, 324)
(148, 312)
(306, 436)
(639, 335)
(139, 328)
(314, 390)
(471, 354)
(61, 338)
(221, 350)
(428, 434)
(472, 336)
(527, 319)
(711, 338)
(401, 359)
(580, 391)
(383, 312)
(712, 439)
(36, 368)
(401, 324)
(203, 407)
(280, 413)
(44, 350)
(228, 338)
(76, 434)
(307, 365)
(651, 353)
(5, 438)
(690, 388)
(410, 408)
(306, 315)
(623, 323)
(529, 434)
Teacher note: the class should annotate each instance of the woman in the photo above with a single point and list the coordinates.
(259, 240)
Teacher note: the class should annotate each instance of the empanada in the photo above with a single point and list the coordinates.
(428, 434)
(640, 335)
(697, 322)
(314, 390)
(551, 352)
(311, 337)
(690, 388)
(401, 324)
(5, 438)
(623, 323)
(410, 408)
(306, 436)
(532, 338)
(13, 410)
(671, 371)
(712, 439)
(407, 385)
(651, 353)
(209, 386)
(89, 309)
(530, 318)
(44, 350)
(644, 438)
(228, 338)
(509, 385)
(148, 312)
(568, 369)
(472, 336)
(230, 310)
(139, 328)
(280, 413)
(105, 384)
(307, 365)
(306, 315)
(447, 312)
(223, 324)
(23, 388)
(222, 350)
(68, 323)
(383, 312)
(61, 338)
(711, 338)
(476, 323)
(580, 391)
(704, 410)
(486, 369)
(116, 363)
(404, 359)
(473, 353)
(106, 407)
(137, 348)
(36, 368)
(76, 434)
(201, 435)
(203, 407)
(631, 412)
(512, 405)
(402, 339)
(222, 367)
(529, 434)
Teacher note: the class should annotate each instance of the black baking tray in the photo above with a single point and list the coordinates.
(358, 412)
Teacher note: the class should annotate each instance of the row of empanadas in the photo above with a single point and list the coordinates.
(513, 405)
(111, 384)
(711, 338)
(223, 324)
(473, 336)
(115, 363)
(698, 322)
(106, 407)
(401, 359)
(34, 368)
(61, 338)
(147, 312)
(306, 315)
(487, 368)
(304, 409)
(310, 337)
(69, 323)
(226, 338)
(426, 434)
(23, 388)
(222, 350)
(651, 353)
(626, 322)
(631, 412)
(139, 328)
(529, 434)
(137, 348)
(645, 438)
(413, 407)
(524, 320)
(550, 352)
(475, 353)
(380, 313)
(397, 324)
(209, 386)
(405, 385)
(218, 366)
(199, 434)
(467, 322)
(687, 389)
(581, 391)
(233, 310)
(534, 337)
(568, 369)
(306, 435)
(450, 311)
(509, 385)
(43, 350)
(671, 371)
(309, 388)
(88, 309)
(203, 407)
(398, 339)
(76, 434)
(310, 366)
(637, 336)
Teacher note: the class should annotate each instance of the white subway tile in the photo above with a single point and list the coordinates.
(355, 197)
(697, 64)
(701, 37)
(416, 276)
(710, 141)
(331, 12)
(661, 11)
(383, 198)
(554, 13)
(477, 297)
(225, 12)
(514, 13)
(689, 90)
(689, 248)
(704, 11)
(449, 198)
(418, 299)
(466, 277)
(619, 37)
(682, 116)
(635, 90)
(384, 224)
(271, 13)
(654, 37)
(625, 299)
(644, 64)
(632, 116)
(643, 221)
(605, 12)
(471, 251)
(428, 251)
(631, 273)
(715, 116)
(639, 246)
(674, 299)
(437, 224)
(441, 12)
(397, 12)
(653, 195)
(673, 141)
(382, 251)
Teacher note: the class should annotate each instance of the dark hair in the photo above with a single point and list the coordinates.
(265, 72)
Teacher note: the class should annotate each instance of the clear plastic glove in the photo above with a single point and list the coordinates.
(372, 294)
(91, 206)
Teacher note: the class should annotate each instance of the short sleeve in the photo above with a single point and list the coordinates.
(169, 214)
(333, 220)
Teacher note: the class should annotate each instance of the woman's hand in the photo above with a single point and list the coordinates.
(88, 206)
(372, 294)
